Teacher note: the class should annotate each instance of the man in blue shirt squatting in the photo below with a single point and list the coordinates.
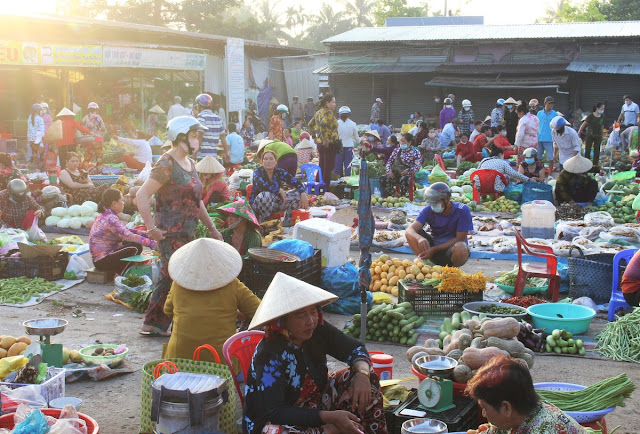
(450, 222)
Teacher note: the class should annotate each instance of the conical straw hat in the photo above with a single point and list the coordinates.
(510, 100)
(287, 294)
(156, 109)
(305, 144)
(209, 165)
(263, 143)
(577, 164)
(205, 264)
(374, 133)
(65, 112)
(241, 208)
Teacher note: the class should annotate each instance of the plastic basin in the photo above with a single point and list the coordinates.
(570, 317)
(6, 421)
(112, 361)
(579, 416)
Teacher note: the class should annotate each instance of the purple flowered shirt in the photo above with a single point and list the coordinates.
(108, 234)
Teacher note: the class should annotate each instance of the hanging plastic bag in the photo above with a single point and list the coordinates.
(35, 233)
(144, 174)
(77, 268)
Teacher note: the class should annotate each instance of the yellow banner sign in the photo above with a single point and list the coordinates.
(32, 53)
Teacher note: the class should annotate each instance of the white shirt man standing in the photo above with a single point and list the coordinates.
(348, 133)
(176, 109)
(566, 141)
(630, 113)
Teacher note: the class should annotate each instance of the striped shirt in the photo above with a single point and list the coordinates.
(211, 137)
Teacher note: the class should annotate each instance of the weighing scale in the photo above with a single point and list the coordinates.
(436, 391)
(45, 328)
(243, 183)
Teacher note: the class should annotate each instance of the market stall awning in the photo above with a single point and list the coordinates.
(381, 65)
(605, 68)
(501, 68)
(498, 82)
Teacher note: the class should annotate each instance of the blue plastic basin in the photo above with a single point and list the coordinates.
(575, 319)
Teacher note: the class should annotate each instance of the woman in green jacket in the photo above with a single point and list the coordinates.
(243, 232)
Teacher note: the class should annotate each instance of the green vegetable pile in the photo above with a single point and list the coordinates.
(509, 278)
(499, 310)
(464, 166)
(561, 342)
(133, 280)
(610, 392)
(389, 322)
(18, 290)
(250, 166)
(376, 169)
(140, 300)
(620, 340)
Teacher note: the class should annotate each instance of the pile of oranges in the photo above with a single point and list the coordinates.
(386, 272)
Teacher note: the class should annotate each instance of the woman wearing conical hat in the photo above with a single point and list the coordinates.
(288, 382)
(205, 297)
(214, 187)
(243, 232)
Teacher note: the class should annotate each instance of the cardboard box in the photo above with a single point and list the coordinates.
(28, 251)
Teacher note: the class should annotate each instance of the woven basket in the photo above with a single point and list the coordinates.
(579, 416)
(265, 255)
(591, 276)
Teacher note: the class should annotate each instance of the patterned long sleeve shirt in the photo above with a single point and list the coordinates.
(409, 157)
(375, 113)
(324, 125)
(11, 214)
(527, 133)
(466, 120)
(496, 116)
(278, 372)
(94, 122)
(546, 418)
(276, 128)
(502, 166)
(108, 234)
(261, 182)
(35, 129)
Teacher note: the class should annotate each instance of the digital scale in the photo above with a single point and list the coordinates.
(436, 391)
(45, 328)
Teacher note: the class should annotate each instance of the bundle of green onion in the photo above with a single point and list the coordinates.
(610, 392)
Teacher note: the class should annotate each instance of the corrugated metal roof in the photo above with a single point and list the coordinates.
(377, 68)
(500, 68)
(596, 30)
(499, 82)
(605, 68)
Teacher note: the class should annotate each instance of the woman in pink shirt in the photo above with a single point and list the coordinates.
(110, 240)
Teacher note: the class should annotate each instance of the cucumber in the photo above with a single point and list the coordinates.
(395, 339)
(380, 339)
(465, 316)
(412, 340)
(412, 318)
(395, 314)
(455, 321)
(403, 323)
(394, 321)
(475, 318)
(389, 326)
(403, 340)
(407, 328)
(417, 323)
(446, 324)
(405, 305)
(395, 331)
(440, 343)
(442, 335)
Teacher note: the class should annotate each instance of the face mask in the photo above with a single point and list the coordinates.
(600, 111)
(529, 160)
(467, 109)
(437, 208)
(509, 106)
(560, 130)
(371, 139)
(628, 102)
(403, 146)
(284, 115)
(448, 106)
(432, 135)
(503, 133)
(18, 197)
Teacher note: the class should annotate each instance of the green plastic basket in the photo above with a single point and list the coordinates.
(528, 290)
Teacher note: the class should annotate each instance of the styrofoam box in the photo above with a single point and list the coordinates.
(333, 239)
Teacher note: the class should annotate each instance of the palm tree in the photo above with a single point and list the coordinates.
(327, 23)
(361, 11)
(552, 14)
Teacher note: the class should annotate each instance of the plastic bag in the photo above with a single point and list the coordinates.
(343, 282)
(568, 230)
(34, 423)
(69, 426)
(620, 233)
(587, 246)
(77, 266)
(124, 292)
(599, 218)
(505, 247)
(636, 203)
(438, 175)
(11, 364)
(144, 174)
(586, 301)
(331, 199)
(35, 233)
(421, 176)
(27, 396)
(300, 248)
(397, 242)
(513, 192)
(592, 233)
(536, 191)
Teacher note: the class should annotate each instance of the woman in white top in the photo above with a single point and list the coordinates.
(348, 133)
(497, 162)
(142, 152)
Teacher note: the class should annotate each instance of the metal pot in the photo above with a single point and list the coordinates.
(423, 426)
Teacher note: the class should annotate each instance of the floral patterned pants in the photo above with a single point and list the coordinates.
(389, 185)
(155, 313)
(336, 396)
(267, 203)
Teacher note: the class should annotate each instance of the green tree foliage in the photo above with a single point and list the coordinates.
(567, 11)
(397, 8)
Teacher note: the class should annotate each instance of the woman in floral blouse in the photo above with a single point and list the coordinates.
(178, 193)
(504, 389)
(110, 240)
(247, 132)
(324, 127)
(8, 171)
(289, 383)
(403, 162)
(268, 194)
(93, 121)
